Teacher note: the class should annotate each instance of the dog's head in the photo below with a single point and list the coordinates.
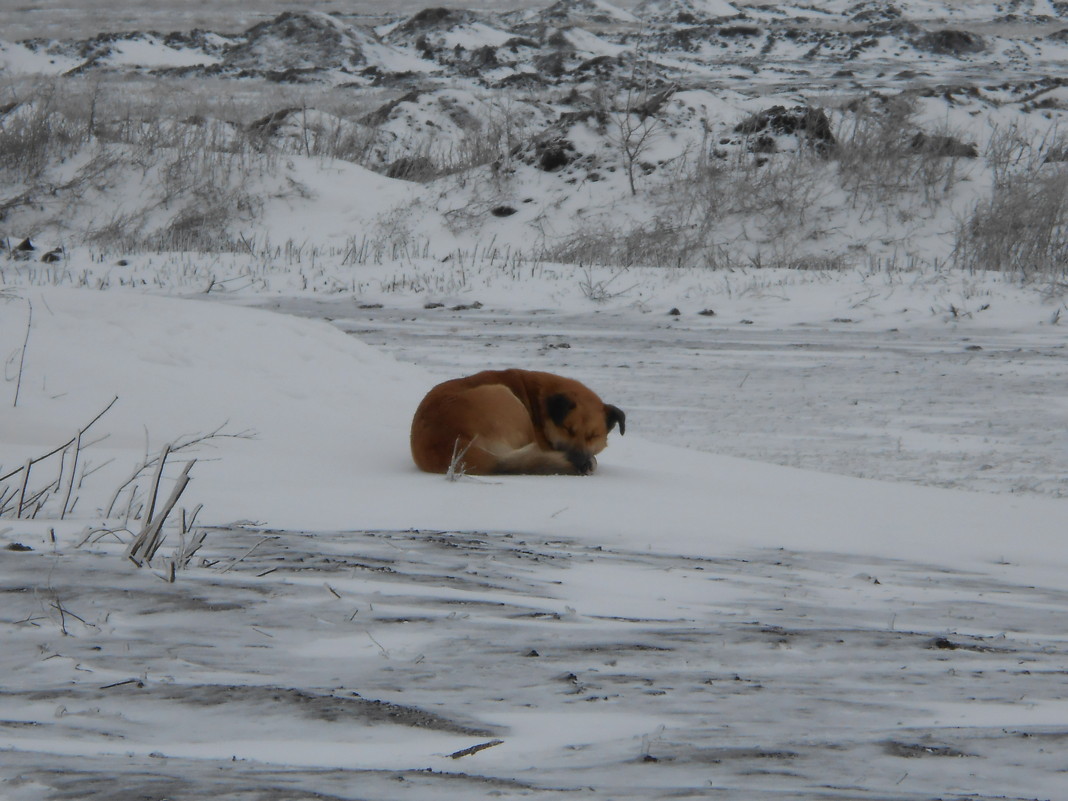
(577, 422)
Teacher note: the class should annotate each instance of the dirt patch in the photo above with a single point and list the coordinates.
(921, 750)
(332, 708)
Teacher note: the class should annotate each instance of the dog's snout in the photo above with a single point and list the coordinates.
(583, 462)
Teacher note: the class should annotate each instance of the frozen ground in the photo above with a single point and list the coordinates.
(353, 664)
(680, 624)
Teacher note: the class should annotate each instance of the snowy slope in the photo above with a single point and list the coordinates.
(698, 9)
(331, 418)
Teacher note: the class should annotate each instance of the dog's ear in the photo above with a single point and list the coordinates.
(613, 415)
(558, 406)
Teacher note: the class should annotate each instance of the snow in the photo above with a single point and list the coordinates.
(331, 415)
(653, 594)
(345, 194)
(148, 51)
(609, 10)
(474, 35)
(589, 44)
(17, 59)
(704, 8)
(684, 622)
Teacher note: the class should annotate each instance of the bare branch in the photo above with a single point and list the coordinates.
(474, 749)
(65, 445)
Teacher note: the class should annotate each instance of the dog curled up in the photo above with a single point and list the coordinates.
(512, 421)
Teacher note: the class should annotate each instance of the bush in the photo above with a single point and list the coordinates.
(882, 153)
(1021, 229)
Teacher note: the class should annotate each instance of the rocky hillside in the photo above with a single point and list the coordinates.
(706, 42)
(826, 133)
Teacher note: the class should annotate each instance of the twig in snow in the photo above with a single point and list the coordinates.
(474, 749)
(22, 356)
(188, 541)
(381, 647)
(64, 613)
(73, 473)
(155, 485)
(22, 494)
(136, 682)
(457, 468)
(246, 554)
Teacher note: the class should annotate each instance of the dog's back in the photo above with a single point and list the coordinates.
(474, 421)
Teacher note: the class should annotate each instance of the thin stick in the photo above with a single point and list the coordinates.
(155, 486)
(5, 498)
(62, 467)
(22, 357)
(25, 481)
(137, 682)
(73, 472)
(474, 749)
(64, 446)
(231, 566)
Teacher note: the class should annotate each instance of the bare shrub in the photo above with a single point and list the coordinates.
(882, 153)
(1022, 229)
(656, 243)
(719, 209)
(69, 149)
(765, 198)
(600, 290)
(21, 498)
(41, 127)
(143, 547)
(492, 141)
(634, 121)
(1016, 150)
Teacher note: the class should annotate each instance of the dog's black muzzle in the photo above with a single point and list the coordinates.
(583, 462)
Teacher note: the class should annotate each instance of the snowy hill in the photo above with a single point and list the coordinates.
(577, 12)
(325, 48)
(685, 10)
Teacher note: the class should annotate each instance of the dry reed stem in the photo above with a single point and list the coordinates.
(145, 545)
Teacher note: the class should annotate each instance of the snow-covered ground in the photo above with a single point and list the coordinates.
(679, 623)
(826, 561)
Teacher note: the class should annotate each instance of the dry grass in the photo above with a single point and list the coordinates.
(1021, 230)
(882, 153)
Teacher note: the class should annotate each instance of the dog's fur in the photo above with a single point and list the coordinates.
(512, 421)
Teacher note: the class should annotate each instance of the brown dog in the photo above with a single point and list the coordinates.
(512, 421)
